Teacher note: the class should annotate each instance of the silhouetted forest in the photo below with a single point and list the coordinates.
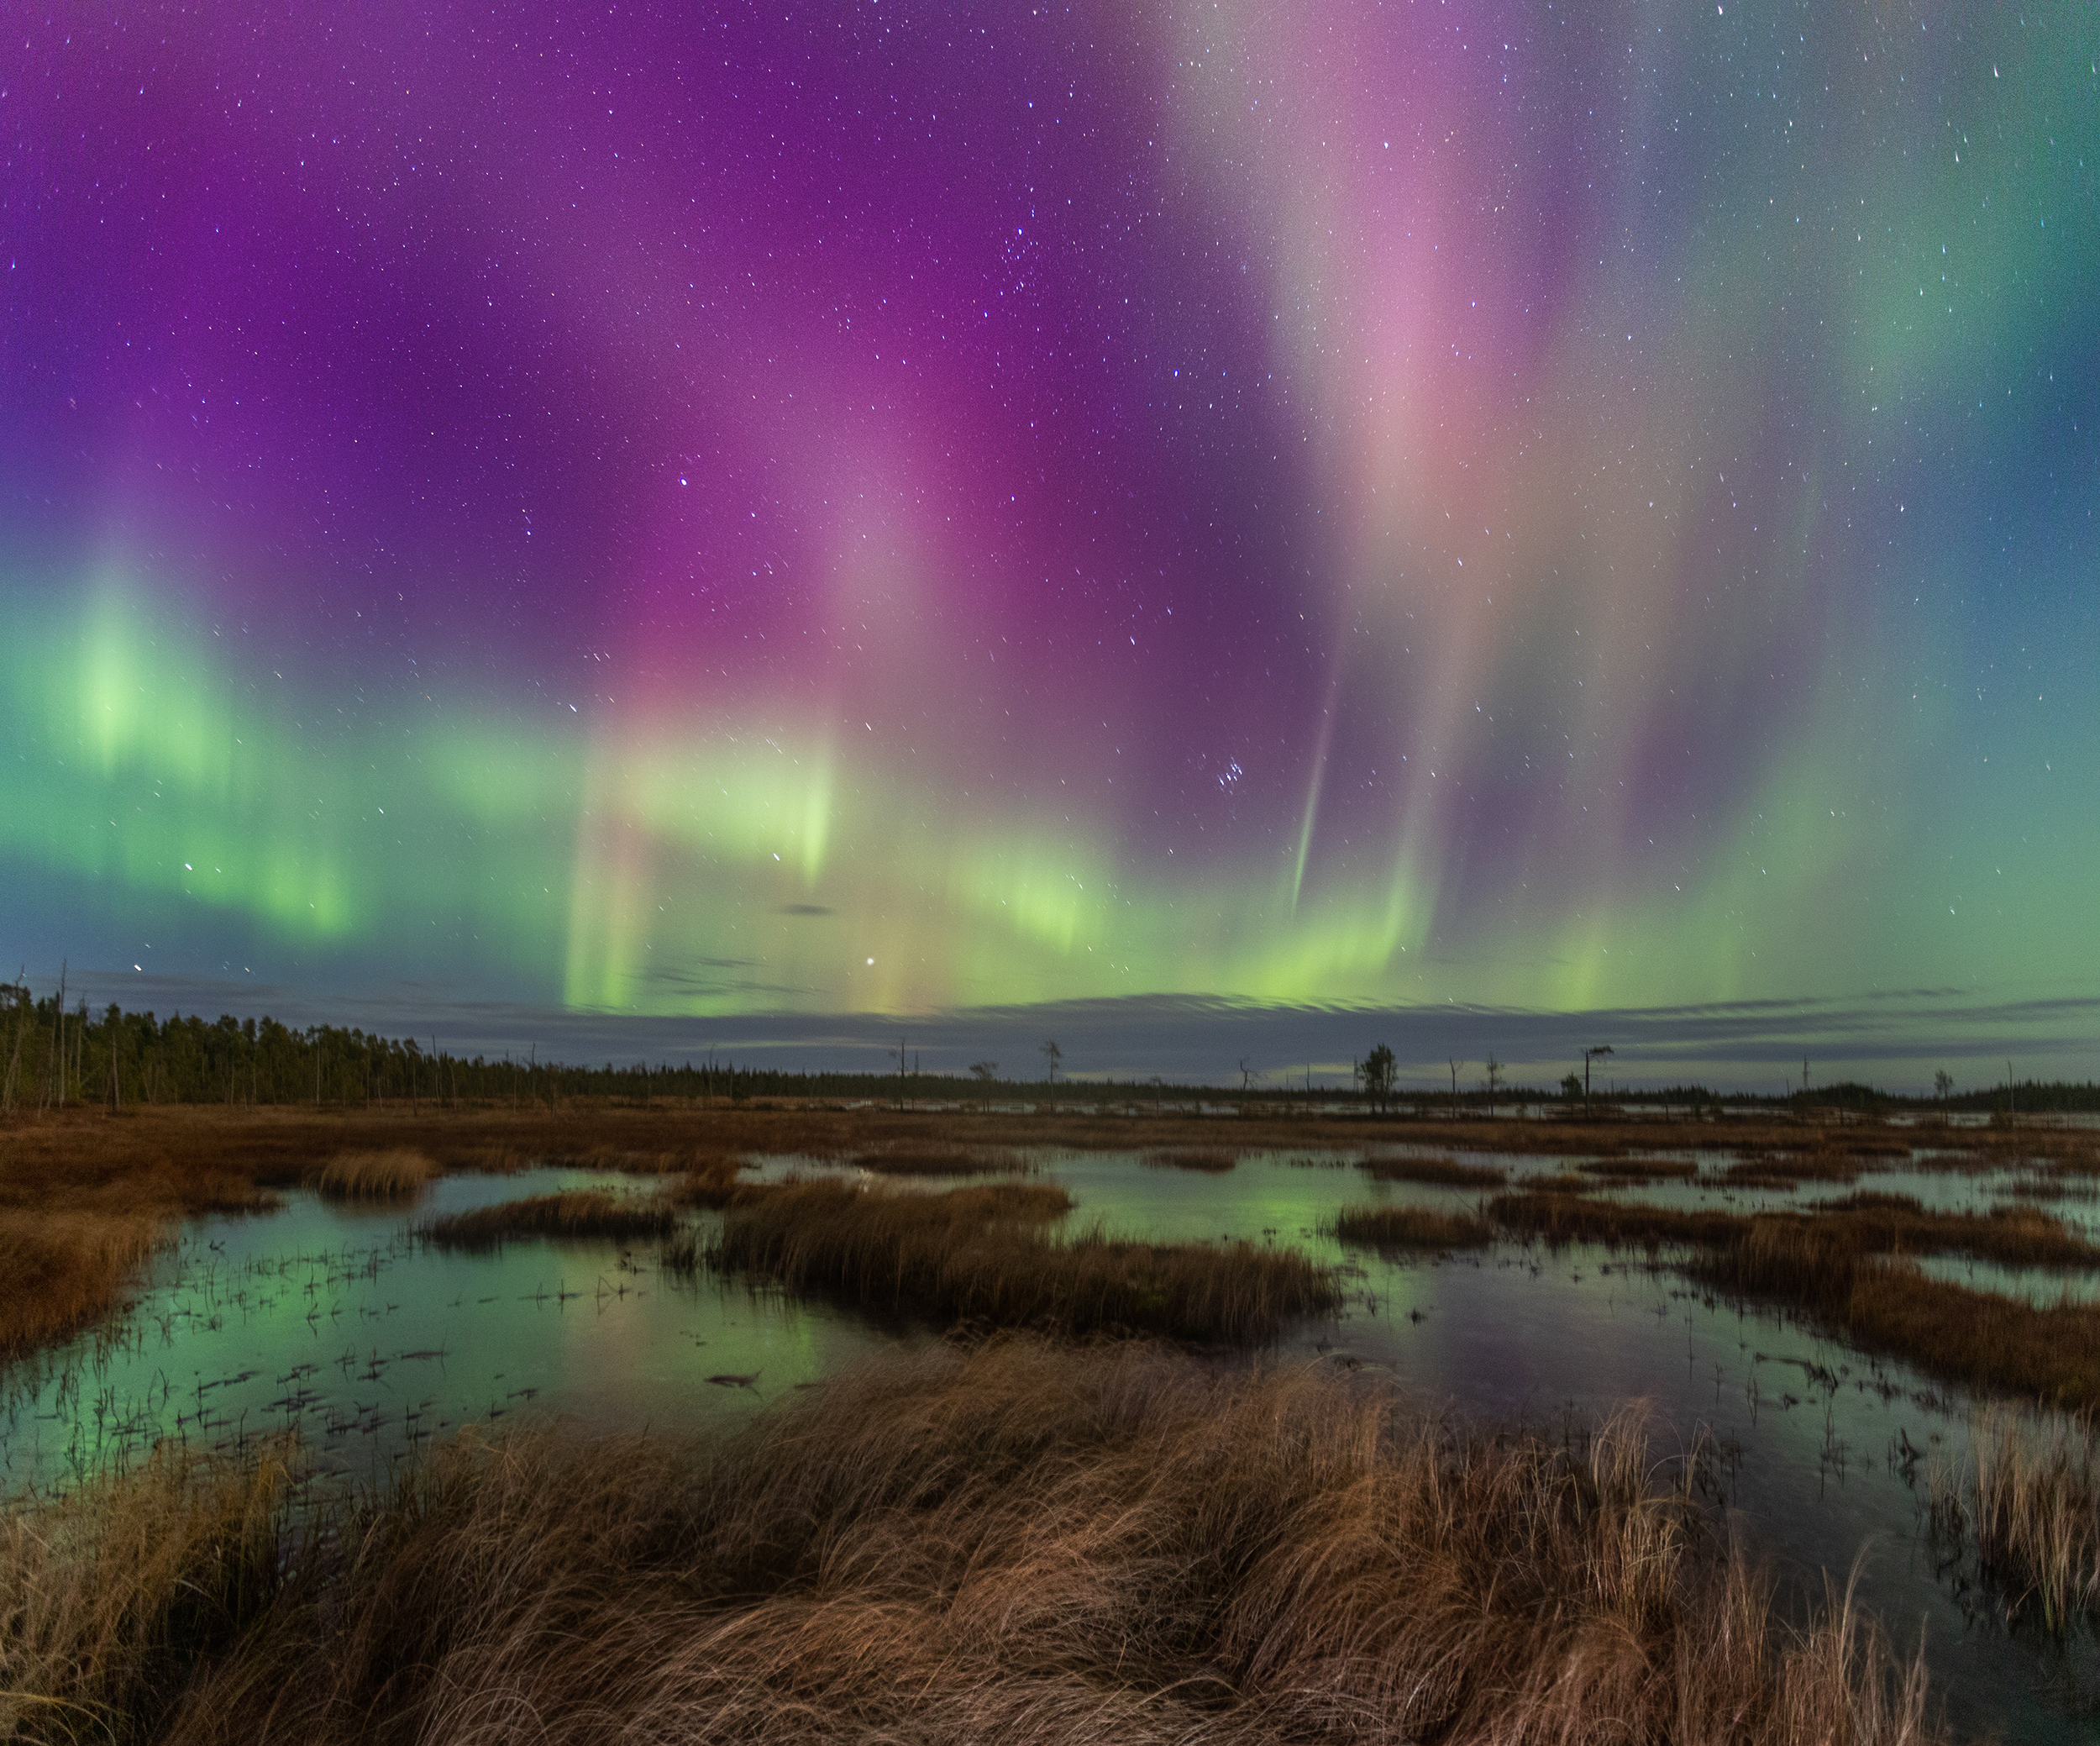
(54, 1057)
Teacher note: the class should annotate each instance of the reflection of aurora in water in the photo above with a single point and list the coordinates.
(1438, 505)
(335, 1323)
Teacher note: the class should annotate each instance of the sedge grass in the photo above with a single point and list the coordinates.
(1411, 1228)
(575, 1215)
(61, 1271)
(1560, 1216)
(980, 1255)
(2028, 1500)
(1014, 1542)
(398, 1174)
(1210, 1161)
(1626, 1172)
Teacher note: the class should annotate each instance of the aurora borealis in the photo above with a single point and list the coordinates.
(874, 509)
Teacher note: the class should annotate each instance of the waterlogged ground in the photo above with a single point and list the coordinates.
(342, 1325)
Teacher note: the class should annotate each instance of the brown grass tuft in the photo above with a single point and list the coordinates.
(1628, 1172)
(398, 1174)
(1411, 1228)
(2030, 1502)
(1210, 1160)
(575, 1215)
(1559, 1216)
(60, 1272)
(978, 1255)
(710, 1182)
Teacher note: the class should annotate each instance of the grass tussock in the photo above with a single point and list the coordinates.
(1438, 1172)
(2029, 1503)
(398, 1174)
(60, 1272)
(575, 1215)
(1016, 1541)
(2013, 1236)
(1982, 1339)
(1411, 1228)
(711, 1182)
(980, 1255)
(1210, 1161)
(1788, 1171)
(1558, 1216)
(1629, 1172)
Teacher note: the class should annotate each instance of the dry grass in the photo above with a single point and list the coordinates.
(2030, 1502)
(978, 1255)
(61, 1271)
(1210, 1160)
(1559, 1216)
(575, 1215)
(63, 1174)
(1837, 1233)
(1016, 1543)
(712, 1182)
(1411, 1228)
(396, 1175)
(1981, 1339)
(1788, 1171)
(1440, 1172)
(1628, 1172)
(112, 1596)
(2014, 1236)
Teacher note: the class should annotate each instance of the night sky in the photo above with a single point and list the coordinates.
(705, 513)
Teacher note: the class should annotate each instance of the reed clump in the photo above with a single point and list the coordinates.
(1437, 1172)
(1411, 1228)
(398, 1174)
(1014, 1542)
(2030, 1502)
(980, 1255)
(574, 1215)
(1210, 1161)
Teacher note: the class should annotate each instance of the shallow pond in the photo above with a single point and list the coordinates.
(343, 1325)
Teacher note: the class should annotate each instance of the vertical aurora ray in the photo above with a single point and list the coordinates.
(739, 512)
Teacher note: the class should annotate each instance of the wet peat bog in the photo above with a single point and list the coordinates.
(344, 1323)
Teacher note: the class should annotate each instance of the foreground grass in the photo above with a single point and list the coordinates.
(1017, 1542)
(572, 1215)
(979, 1255)
(2029, 1502)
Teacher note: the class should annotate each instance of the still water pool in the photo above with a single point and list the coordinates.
(342, 1325)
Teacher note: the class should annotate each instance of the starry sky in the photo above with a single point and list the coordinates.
(706, 513)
